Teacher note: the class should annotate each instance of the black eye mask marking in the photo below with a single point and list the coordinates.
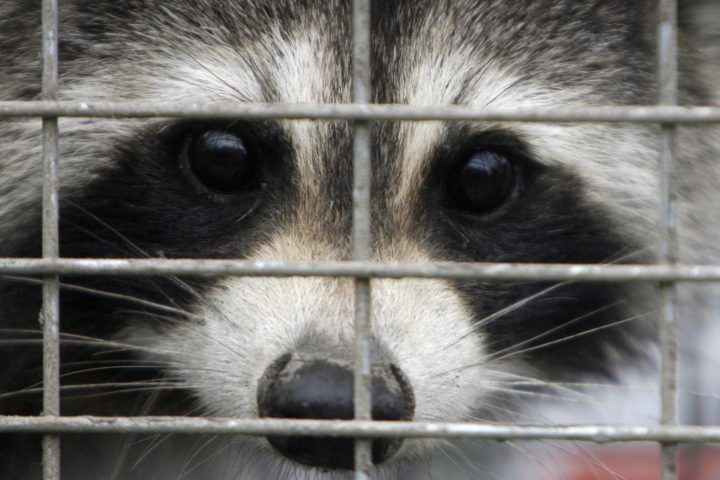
(487, 200)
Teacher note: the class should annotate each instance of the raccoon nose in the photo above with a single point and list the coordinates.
(294, 387)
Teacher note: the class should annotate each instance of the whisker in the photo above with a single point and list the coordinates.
(550, 469)
(169, 321)
(89, 386)
(106, 294)
(613, 259)
(498, 358)
(186, 469)
(558, 327)
(573, 336)
(504, 311)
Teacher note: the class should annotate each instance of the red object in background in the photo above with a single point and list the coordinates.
(700, 463)
(639, 462)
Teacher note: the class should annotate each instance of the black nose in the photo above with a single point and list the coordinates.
(312, 388)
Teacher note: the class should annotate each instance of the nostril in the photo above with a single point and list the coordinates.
(295, 388)
(318, 389)
(276, 367)
(393, 398)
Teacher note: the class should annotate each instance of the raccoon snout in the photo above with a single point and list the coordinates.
(300, 387)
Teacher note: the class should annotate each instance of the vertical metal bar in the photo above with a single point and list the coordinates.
(362, 178)
(668, 95)
(50, 314)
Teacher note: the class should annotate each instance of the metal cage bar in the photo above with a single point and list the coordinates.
(364, 429)
(50, 314)
(328, 111)
(362, 186)
(448, 270)
(668, 95)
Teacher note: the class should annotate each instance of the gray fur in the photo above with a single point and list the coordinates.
(482, 53)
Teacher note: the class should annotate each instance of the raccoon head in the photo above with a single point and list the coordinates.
(281, 190)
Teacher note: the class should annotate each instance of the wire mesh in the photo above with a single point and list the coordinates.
(667, 114)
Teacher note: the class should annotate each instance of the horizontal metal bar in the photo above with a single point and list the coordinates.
(362, 269)
(359, 428)
(597, 114)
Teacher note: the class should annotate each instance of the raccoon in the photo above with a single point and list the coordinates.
(449, 350)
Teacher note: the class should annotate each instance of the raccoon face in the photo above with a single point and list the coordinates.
(281, 190)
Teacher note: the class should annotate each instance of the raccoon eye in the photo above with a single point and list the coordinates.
(219, 160)
(482, 182)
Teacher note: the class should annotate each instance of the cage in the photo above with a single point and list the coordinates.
(669, 435)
